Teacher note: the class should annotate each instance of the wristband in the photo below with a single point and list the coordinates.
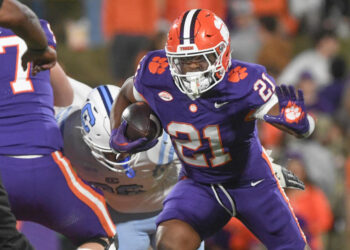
(312, 126)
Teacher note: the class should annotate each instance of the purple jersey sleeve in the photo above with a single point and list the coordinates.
(254, 86)
(152, 76)
(139, 72)
(140, 79)
(262, 88)
(51, 39)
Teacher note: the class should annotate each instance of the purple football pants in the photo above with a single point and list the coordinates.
(47, 191)
(260, 204)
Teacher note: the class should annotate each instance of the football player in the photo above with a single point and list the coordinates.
(41, 185)
(21, 20)
(135, 185)
(208, 103)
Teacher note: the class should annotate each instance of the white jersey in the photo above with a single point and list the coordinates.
(156, 170)
(80, 90)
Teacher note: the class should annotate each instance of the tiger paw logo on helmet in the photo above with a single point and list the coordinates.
(158, 65)
(237, 74)
(293, 113)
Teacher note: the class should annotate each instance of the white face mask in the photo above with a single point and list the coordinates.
(196, 82)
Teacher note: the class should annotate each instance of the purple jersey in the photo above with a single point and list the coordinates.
(212, 135)
(27, 123)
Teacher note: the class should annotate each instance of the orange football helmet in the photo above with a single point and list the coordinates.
(201, 38)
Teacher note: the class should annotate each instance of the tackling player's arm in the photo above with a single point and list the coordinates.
(62, 89)
(24, 23)
(286, 111)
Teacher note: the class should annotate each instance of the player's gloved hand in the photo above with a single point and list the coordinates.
(120, 143)
(293, 114)
(286, 178)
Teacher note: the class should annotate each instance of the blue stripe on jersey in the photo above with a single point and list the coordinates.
(171, 154)
(106, 98)
(162, 149)
(61, 118)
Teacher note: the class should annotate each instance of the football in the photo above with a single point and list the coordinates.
(141, 122)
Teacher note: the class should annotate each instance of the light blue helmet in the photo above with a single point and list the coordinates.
(96, 130)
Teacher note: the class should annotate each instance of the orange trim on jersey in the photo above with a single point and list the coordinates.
(104, 219)
(19, 225)
(284, 195)
(249, 116)
(184, 178)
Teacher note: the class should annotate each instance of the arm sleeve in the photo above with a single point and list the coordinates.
(51, 39)
(260, 112)
(80, 90)
(138, 78)
(137, 95)
(143, 81)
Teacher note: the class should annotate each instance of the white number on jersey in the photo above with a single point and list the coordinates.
(194, 142)
(22, 82)
(265, 90)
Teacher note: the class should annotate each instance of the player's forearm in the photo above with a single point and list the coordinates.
(116, 112)
(62, 89)
(24, 23)
(125, 98)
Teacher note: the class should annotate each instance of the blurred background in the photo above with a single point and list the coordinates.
(303, 43)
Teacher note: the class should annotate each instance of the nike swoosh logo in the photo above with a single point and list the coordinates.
(219, 105)
(254, 183)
